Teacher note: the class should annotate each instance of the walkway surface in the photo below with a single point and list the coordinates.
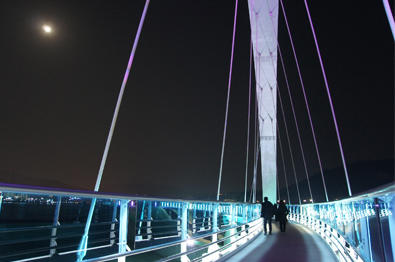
(298, 244)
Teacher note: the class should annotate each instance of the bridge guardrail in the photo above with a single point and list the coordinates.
(360, 228)
(48, 224)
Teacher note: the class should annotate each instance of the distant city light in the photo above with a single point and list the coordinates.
(47, 28)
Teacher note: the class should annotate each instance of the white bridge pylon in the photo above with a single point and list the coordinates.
(264, 27)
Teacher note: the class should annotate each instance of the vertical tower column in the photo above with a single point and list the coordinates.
(264, 24)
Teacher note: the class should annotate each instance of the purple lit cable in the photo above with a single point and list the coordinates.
(248, 123)
(285, 122)
(293, 110)
(307, 107)
(125, 79)
(256, 147)
(227, 101)
(256, 144)
(286, 130)
(330, 99)
(282, 157)
(390, 18)
(84, 240)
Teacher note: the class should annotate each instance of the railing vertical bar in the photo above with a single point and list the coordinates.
(1, 200)
(215, 222)
(149, 217)
(123, 228)
(114, 218)
(184, 231)
(379, 229)
(55, 223)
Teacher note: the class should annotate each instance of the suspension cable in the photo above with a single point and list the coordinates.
(330, 99)
(308, 111)
(125, 79)
(271, 89)
(282, 158)
(296, 123)
(256, 166)
(256, 139)
(285, 124)
(278, 45)
(84, 240)
(248, 124)
(256, 146)
(390, 18)
(227, 101)
(289, 142)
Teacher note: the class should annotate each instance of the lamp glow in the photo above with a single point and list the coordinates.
(190, 242)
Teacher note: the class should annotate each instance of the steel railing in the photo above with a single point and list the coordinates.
(360, 228)
(48, 224)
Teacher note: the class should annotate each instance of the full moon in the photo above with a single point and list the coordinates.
(46, 28)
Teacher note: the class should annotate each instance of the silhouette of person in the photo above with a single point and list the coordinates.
(281, 215)
(268, 211)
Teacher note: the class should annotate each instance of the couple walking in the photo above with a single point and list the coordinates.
(269, 210)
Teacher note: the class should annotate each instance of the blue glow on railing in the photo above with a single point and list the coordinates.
(355, 224)
(152, 224)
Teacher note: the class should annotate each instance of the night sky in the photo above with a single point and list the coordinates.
(59, 91)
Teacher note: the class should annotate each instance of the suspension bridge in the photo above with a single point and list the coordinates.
(51, 224)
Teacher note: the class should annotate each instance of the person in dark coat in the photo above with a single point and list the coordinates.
(281, 215)
(268, 211)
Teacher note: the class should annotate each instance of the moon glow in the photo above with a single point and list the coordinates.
(46, 28)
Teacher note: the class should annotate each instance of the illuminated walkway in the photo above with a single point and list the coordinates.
(299, 243)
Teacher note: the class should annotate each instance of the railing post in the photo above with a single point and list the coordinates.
(245, 220)
(114, 219)
(1, 200)
(179, 215)
(123, 228)
(215, 222)
(379, 229)
(233, 214)
(232, 224)
(204, 222)
(55, 223)
(149, 217)
(184, 230)
(194, 219)
(209, 208)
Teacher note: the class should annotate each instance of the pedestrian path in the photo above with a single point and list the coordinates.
(298, 244)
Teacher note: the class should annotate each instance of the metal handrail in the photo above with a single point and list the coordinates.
(162, 246)
(354, 244)
(215, 213)
(8, 230)
(96, 194)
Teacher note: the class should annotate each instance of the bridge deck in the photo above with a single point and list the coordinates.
(299, 243)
